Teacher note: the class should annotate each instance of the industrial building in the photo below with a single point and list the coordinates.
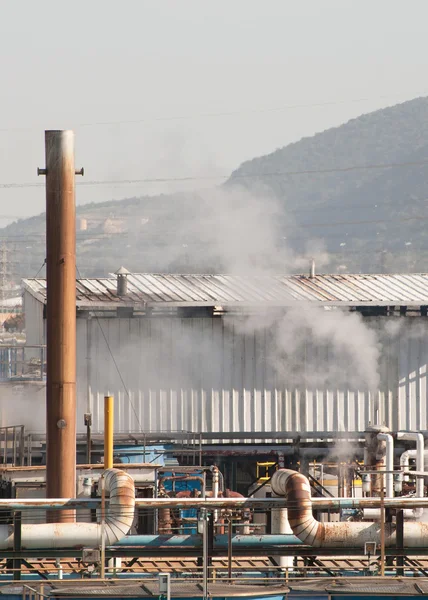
(178, 355)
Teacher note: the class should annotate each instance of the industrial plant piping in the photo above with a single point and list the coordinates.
(235, 503)
(108, 431)
(389, 476)
(419, 439)
(118, 521)
(295, 487)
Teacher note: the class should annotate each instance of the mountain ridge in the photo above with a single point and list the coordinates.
(366, 219)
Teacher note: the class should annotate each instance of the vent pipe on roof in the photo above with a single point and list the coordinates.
(312, 269)
(122, 281)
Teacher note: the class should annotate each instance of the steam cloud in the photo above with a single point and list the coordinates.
(302, 346)
(309, 346)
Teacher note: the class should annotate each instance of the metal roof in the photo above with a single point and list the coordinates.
(154, 290)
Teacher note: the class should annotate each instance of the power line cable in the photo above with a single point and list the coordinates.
(115, 182)
(230, 113)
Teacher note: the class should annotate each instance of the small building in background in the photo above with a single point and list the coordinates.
(10, 309)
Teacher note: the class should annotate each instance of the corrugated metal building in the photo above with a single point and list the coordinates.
(174, 352)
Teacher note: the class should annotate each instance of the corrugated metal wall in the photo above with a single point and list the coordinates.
(196, 374)
(200, 374)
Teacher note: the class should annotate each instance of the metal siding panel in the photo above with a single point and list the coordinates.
(241, 394)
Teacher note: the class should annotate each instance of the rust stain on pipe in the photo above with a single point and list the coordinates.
(295, 487)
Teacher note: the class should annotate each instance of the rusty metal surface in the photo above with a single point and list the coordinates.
(146, 289)
(61, 317)
(295, 487)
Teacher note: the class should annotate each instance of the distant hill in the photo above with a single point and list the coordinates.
(369, 218)
(390, 197)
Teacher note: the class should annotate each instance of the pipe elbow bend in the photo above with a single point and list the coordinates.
(295, 487)
(120, 514)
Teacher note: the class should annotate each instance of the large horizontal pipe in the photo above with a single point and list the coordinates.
(137, 437)
(220, 541)
(214, 503)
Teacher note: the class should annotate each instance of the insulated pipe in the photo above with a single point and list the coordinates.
(311, 532)
(405, 458)
(405, 461)
(118, 521)
(389, 477)
(220, 541)
(419, 439)
(216, 488)
(108, 432)
(213, 503)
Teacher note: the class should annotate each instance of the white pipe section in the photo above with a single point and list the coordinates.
(389, 477)
(118, 521)
(420, 446)
(404, 461)
(295, 487)
(216, 488)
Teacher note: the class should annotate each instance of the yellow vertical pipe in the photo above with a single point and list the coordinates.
(108, 432)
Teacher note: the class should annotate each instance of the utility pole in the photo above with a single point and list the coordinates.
(60, 318)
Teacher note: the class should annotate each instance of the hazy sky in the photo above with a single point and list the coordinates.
(160, 72)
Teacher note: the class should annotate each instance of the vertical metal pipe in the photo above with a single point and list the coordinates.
(382, 532)
(108, 432)
(215, 488)
(229, 549)
(14, 445)
(400, 542)
(389, 440)
(419, 439)
(204, 554)
(312, 269)
(22, 446)
(61, 318)
(88, 424)
(17, 545)
(103, 522)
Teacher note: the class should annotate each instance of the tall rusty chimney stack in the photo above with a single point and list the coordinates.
(60, 318)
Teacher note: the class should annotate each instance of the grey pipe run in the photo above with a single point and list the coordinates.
(214, 503)
(220, 541)
(295, 487)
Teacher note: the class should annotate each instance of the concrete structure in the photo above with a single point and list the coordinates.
(194, 353)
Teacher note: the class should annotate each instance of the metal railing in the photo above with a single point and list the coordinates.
(12, 446)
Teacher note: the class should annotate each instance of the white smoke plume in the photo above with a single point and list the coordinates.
(298, 347)
(310, 346)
